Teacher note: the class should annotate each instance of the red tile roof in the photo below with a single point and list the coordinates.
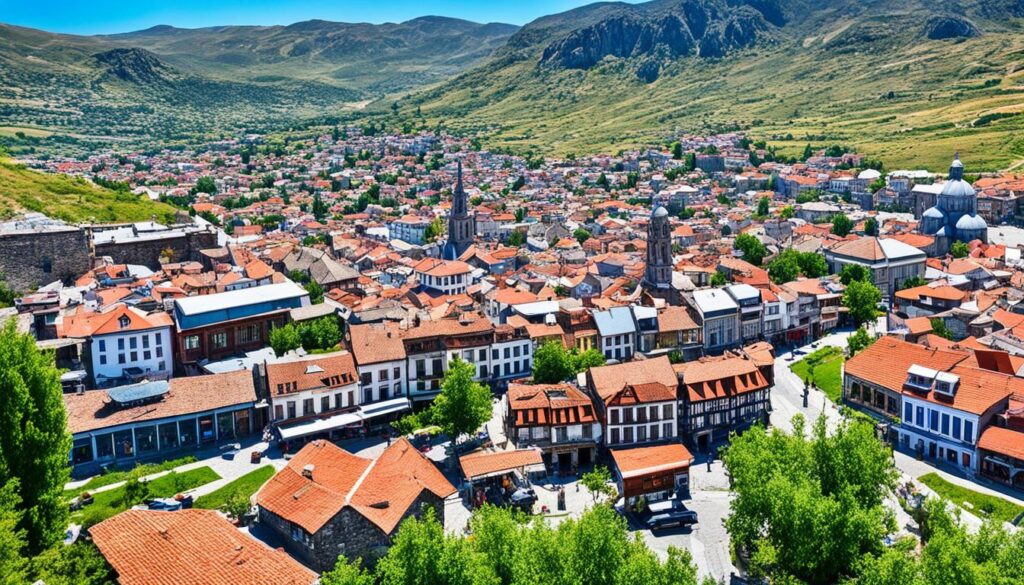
(886, 361)
(477, 465)
(650, 380)
(1003, 441)
(645, 460)
(381, 490)
(311, 372)
(93, 409)
(190, 547)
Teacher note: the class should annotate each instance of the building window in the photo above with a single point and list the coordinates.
(219, 340)
(248, 334)
(278, 412)
(103, 360)
(133, 342)
(120, 358)
(159, 351)
(956, 427)
(145, 342)
(968, 431)
(325, 403)
(307, 407)
(291, 409)
(191, 342)
(103, 345)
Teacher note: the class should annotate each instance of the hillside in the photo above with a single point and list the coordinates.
(166, 84)
(908, 82)
(71, 199)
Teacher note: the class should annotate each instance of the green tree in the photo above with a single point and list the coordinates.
(348, 573)
(581, 235)
(788, 212)
(677, 150)
(812, 264)
(422, 554)
(862, 298)
(552, 364)
(959, 249)
(316, 292)
(136, 489)
(752, 248)
(718, 279)
(913, 282)
(763, 206)
(463, 405)
(808, 508)
(808, 152)
(78, 564)
(284, 339)
(584, 360)
(726, 230)
(206, 184)
(516, 239)
(12, 536)
(434, 230)
(841, 225)
(871, 227)
(236, 505)
(320, 209)
(785, 267)
(599, 483)
(859, 341)
(322, 333)
(852, 272)
(34, 440)
(939, 328)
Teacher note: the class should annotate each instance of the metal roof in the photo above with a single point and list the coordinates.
(615, 321)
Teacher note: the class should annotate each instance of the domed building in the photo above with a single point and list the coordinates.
(955, 214)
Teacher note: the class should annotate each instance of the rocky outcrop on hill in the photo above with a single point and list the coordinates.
(134, 66)
(706, 28)
(950, 27)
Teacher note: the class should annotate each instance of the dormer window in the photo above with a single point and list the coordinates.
(946, 383)
(921, 378)
(124, 322)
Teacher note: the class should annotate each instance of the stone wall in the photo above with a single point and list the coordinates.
(146, 251)
(349, 533)
(31, 259)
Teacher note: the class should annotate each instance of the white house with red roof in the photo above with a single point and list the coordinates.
(123, 344)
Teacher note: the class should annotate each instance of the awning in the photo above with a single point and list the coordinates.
(483, 465)
(323, 425)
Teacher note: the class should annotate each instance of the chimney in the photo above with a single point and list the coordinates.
(307, 471)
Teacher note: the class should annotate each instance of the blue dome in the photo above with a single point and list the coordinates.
(934, 213)
(957, 188)
(660, 212)
(971, 223)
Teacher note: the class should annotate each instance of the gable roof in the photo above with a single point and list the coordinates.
(194, 547)
(609, 381)
(381, 490)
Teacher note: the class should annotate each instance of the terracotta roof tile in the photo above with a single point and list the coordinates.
(190, 547)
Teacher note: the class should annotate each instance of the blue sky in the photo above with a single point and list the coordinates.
(109, 16)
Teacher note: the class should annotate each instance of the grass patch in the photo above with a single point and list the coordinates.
(246, 485)
(111, 502)
(982, 505)
(121, 475)
(71, 199)
(824, 368)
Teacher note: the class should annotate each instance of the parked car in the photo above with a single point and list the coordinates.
(668, 514)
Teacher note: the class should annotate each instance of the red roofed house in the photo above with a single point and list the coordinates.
(719, 396)
(636, 402)
(199, 547)
(328, 502)
(123, 344)
(653, 473)
(557, 418)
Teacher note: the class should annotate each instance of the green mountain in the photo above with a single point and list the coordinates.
(166, 83)
(907, 81)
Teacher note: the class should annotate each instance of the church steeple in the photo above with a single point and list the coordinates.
(461, 225)
(658, 276)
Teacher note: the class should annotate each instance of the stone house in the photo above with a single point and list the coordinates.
(328, 502)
